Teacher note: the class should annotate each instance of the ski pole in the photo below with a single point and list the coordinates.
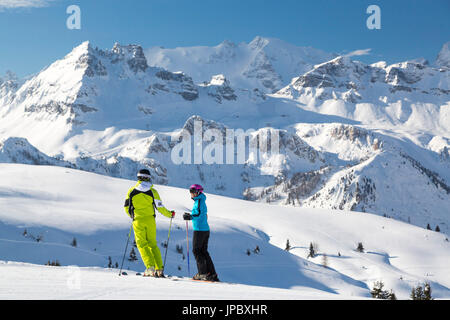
(126, 247)
(168, 237)
(187, 240)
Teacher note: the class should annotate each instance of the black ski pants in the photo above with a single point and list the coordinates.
(200, 250)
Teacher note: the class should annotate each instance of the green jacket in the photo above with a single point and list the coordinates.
(143, 201)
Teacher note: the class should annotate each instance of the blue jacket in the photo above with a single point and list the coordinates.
(199, 214)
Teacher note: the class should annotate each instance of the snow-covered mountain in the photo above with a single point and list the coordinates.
(352, 136)
(411, 95)
(19, 150)
(265, 64)
(367, 171)
(91, 89)
(76, 218)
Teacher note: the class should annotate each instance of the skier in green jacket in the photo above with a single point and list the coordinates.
(140, 205)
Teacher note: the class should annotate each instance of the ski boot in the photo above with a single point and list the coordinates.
(159, 273)
(150, 272)
(212, 277)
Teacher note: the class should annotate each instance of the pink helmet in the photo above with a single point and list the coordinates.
(196, 188)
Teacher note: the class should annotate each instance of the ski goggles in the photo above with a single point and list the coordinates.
(143, 176)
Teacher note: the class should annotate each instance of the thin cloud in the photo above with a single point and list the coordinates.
(11, 4)
(361, 52)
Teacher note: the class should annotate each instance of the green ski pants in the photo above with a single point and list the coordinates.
(145, 236)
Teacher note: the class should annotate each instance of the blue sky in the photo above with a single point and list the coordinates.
(35, 34)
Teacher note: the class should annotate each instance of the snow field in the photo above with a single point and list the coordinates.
(60, 204)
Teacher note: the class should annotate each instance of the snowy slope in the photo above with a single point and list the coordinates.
(57, 204)
(30, 281)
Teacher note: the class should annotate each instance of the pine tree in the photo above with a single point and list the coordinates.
(392, 295)
(420, 293)
(325, 261)
(132, 255)
(427, 292)
(360, 247)
(110, 264)
(74, 242)
(288, 245)
(378, 292)
(437, 229)
(428, 227)
(312, 250)
(53, 263)
(416, 293)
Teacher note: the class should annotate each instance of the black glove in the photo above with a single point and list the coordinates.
(187, 216)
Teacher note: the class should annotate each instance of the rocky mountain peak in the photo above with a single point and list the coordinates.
(443, 58)
(258, 43)
(9, 82)
(132, 54)
(9, 76)
(87, 57)
(219, 88)
(190, 123)
(349, 80)
(228, 44)
(219, 80)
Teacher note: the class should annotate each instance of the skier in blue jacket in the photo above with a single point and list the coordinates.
(199, 217)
